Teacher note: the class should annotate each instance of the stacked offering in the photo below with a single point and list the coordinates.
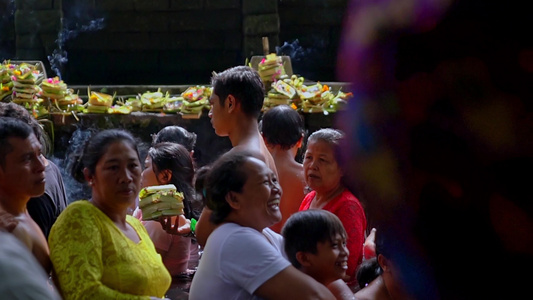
(154, 102)
(195, 99)
(280, 93)
(271, 68)
(160, 201)
(99, 102)
(56, 92)
(26, 79)
(134, 103)
(6, 85)
(173, 105)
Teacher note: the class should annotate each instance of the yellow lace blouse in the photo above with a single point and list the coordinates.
(93, 259)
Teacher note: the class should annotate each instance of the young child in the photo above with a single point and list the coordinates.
(315, 243)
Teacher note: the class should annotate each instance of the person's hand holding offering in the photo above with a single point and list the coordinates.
(179, 226)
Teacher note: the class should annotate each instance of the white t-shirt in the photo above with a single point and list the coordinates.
(21, 276)
(236, 261)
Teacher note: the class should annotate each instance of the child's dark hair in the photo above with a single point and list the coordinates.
(282, 126)
(367, 271)
(200, 181)
(245, 84)
(176, 158)
(305, 229)
(370, 269)
(95, 148)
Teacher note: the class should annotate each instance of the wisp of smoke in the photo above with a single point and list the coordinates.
(59, 56)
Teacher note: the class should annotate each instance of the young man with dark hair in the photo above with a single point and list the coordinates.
(236, 103)
(22, 176)
(283, 131)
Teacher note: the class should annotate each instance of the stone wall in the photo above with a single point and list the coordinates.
(170, 41)
(317, 25)
(7, 29)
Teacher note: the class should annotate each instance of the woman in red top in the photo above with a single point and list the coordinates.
(323, 175)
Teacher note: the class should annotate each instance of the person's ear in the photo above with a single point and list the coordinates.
(88, 176)
(303, 258)
(384, 263)
(231, 103)
(300, 142)
(164, 176)
(232, 200)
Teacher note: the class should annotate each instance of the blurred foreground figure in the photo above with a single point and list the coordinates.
(439, 137)
(21, 276)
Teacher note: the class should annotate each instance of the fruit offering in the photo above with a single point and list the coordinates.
(271, 68)
(173, 105)
(98, 102)
(315, 98)
(154, 101)
(26, 79)
(6, 85)
(195, 100)
(59, 96)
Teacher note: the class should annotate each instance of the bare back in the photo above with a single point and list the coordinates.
(292, 181)
(255, 144)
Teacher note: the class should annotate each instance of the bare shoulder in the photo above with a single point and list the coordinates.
(31, 235)
(22, 233)
(340, 290)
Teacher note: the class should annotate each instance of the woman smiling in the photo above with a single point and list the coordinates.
(243, 258)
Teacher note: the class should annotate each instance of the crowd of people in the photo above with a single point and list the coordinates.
(102, 248)
(258, 224)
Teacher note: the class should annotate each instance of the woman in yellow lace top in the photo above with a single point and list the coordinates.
(97, 250)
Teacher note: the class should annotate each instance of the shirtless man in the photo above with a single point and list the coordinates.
(283, 131)
(22, 168)
(236, 103)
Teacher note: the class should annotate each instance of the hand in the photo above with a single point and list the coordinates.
(7, 221)
(181, 225)
(369, 246)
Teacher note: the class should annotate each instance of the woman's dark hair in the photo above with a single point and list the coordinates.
(226, 175)
(176, 158)
(282, 126)
(95, 148)
(305, 229)
(11, 127)
(245, 84)
(176, 134)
